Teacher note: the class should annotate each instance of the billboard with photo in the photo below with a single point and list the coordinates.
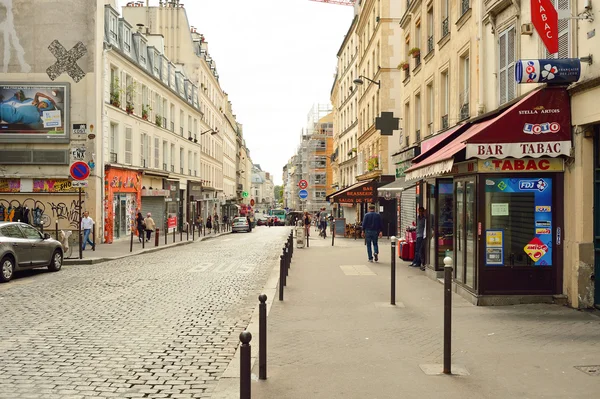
(34, 112)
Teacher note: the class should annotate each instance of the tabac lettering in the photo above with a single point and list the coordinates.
(540, 148)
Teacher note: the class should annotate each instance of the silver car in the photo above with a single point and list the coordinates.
(24, 247)
(240, 224)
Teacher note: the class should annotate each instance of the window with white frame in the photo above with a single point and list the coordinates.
(430, 29)
(144, 150)
(143, 52)
(445, 17)
(127, 39)
(430, 108)
(506, 68)
(128, 145)
(190, 163)
(418, 133)
(156, 152)
(465, 86)
(445, 98)
(564, 28)
(172, 157)
(114, 142)
(113, 28)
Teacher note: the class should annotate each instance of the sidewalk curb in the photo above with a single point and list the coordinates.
(93, 261)
(229, 383)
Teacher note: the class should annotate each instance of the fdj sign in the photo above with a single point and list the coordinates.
(532, 185)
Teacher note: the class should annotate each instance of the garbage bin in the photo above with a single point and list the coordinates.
(300, 238)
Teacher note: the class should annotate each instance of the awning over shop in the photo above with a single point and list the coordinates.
(361, 192)
(537, 125)
(397, 186)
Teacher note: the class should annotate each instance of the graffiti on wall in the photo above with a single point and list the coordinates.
(66, 61)
(11, 40)
(41, 213)
(120, 181)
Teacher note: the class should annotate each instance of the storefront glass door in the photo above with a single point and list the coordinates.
(120, 219)
(465, 248)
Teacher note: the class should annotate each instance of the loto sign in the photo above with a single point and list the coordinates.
(545, 20)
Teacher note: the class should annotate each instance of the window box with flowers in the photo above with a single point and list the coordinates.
(373, 163)
(414, 52)
(115, 93)
(403, 65)
(129, 108)
(145, 110)
(158, 120)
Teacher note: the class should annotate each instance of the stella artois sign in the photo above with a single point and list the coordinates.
(545, 20)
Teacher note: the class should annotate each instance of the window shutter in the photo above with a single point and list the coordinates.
(564, 28)
(128, 145)
(510, 61)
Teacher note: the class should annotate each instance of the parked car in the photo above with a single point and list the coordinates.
(25, 247)
(261, 220)
(240, 224)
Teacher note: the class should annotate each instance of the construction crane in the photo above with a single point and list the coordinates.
(340, 2)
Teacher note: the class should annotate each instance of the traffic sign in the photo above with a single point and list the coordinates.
(79, 183)
(252, 202)
(79, 170)
(302, 184)
(303, 194)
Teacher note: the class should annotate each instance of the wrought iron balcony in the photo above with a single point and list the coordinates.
(430, 44)
(173, 127)
(445, 121)
(465, 6)
(417, 61)
(418, 135)
(165, 167)
(445, 27)
(464, 111)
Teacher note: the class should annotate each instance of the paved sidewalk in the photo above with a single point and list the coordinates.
(336, 336)
(120, 248)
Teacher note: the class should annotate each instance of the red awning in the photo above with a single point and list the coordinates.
(537, 125)
(428, 144)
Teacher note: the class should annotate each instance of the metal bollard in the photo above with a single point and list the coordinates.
(262, 337)
(307, 240)
(166, 232)
(447, 314)
(131, 242)
(143, 239)
(193, 231)
(204, 229)
(286, 258)
(333, 236)
(180, 235)
(393, 271)
(156, 238)
(187, 231)
(281, 277)
(93, 237)
(245, 369)
(174, 235)
(56, 229)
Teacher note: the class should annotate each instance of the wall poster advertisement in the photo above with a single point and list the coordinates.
(494, 247)
(34, 112)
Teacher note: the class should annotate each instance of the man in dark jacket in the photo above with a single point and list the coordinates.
(372, 226)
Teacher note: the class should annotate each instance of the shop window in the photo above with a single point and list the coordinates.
(519, 225)
(441, 222)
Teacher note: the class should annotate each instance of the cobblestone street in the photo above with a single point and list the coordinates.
(158, 325)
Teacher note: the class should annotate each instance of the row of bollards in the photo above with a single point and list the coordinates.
(246, 351)
(285, 262)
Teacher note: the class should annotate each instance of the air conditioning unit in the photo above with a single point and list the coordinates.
(527, 29)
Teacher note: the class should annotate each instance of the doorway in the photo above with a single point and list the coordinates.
(597, 217)
(465, 247)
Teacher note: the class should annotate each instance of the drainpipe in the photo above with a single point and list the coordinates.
(481, 104)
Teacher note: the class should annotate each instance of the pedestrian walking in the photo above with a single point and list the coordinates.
(307, 223)
(140, 226)
(323, 223)
(249, 224)
(216, 222)
(149, 225)
(372, 227)
(209, 223)
(419, 260)
(87, 223)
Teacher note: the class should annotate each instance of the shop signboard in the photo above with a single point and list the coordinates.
(171, 223)
(494, 247)
(10, 185)
(553, 71)
(545, 20)
(34, 112)
(525, 165)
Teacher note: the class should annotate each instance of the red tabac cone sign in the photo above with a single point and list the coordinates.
(545, 20)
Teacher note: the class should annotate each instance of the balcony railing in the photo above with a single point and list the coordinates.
(181, 130)
(418, 135)
(445, 27)
(445, 121)
(430, 128)
(430, 44)
(165, 167)
(172, 168)
(406, 74)
(173, 127)
(465, 6)
(417, 61)
(113, 157)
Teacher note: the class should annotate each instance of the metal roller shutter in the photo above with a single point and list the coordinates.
(408, 208)
(156, 206)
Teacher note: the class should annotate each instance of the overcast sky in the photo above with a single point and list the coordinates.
(276, 59)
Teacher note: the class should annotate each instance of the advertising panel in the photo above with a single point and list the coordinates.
(553, 71)
(34, 112)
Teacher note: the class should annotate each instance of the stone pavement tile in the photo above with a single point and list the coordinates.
(331, 338)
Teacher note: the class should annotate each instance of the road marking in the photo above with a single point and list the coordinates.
(356, 270)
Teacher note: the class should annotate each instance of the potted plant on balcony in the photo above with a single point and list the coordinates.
(158, 119)
(115, 93)
(373, 163)
(129, 108)
(403, 65)
(145, 110)
(414, 52)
